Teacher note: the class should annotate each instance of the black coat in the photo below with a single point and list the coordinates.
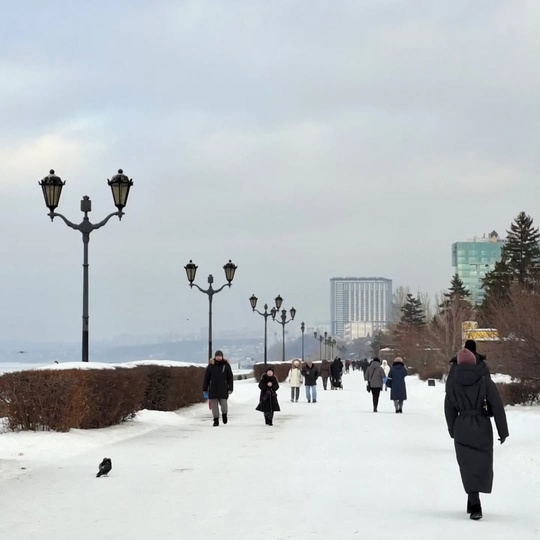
(480, 360)
(311, 374)
(268, 401)
(336, 368)
(218, 379)
(470, 428)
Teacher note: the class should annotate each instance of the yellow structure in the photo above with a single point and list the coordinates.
(470, 330)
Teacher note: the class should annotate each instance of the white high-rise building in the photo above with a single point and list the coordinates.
(359, 306)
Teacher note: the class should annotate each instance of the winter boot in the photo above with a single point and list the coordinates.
(468, 505)
(476, 512)
(225, 419)
(309, 400)
(216, 422)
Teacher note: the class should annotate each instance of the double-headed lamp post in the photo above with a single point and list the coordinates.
(320, 338)
(332, 344)
(191, 272)
(278, 301)
(52, 189)
(284, 321)
(303, 329)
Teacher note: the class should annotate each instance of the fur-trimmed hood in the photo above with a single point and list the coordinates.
(213, 361)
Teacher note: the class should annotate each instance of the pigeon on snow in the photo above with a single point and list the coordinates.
(104, 467)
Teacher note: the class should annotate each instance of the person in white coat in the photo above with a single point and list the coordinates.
(295, 380)
(386, 369)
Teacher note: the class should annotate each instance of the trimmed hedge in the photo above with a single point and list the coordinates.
(171, 388)
(85, 399)
(520, 393)
(281, 370)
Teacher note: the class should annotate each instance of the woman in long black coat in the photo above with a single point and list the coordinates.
(471, 397)
(268, 401)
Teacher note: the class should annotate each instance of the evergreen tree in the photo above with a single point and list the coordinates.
(457, 293)
(413, 313)
(522, 250)
(520, 260)
(457, 289)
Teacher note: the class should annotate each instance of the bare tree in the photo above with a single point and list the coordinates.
(444, 335)
(399, 299)
(517, 319)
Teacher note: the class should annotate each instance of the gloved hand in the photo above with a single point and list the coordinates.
(205, 395)
(502, 439)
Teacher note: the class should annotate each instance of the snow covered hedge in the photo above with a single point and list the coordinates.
(61, 399)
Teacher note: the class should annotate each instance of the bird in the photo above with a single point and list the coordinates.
(104, 467)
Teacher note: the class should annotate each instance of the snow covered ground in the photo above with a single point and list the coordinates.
(331, 470)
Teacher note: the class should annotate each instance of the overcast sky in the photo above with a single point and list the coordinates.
(302, 139)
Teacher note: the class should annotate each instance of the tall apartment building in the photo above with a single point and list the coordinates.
(359, 306)
(473, 259)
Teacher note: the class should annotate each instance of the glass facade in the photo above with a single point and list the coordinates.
(473, 260)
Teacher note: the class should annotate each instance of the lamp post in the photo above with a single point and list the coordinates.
(326, 345)
(283, 322)
(320, 338)
(253, 301)
(332, 344)
(303, 329)
(191, 271)
(52, 189)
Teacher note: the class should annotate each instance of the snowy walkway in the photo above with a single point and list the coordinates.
(331, 470)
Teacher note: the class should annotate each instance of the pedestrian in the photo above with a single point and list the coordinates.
(471, 399)
(295, 380)
(325, 373)
(470, 345)
(218, 384)
(310, 373)
(386, 369)
(396, 381)
(268, 401)
(374, 376)
(336, 372)
(347, 366)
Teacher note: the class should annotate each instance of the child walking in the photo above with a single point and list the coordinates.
(268, 402)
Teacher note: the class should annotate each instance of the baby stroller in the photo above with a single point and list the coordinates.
(335, 383)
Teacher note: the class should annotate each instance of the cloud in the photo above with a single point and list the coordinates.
(302, 140)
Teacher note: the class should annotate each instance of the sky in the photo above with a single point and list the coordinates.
(302, 139)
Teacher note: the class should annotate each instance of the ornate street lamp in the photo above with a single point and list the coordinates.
(52, 186)
(272, 313)
(320, 339)
(191, 272)
(302, 329)
(333, 344)
(284, 321)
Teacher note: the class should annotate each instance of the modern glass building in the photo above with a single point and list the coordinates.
(472, 260)
(359, 305)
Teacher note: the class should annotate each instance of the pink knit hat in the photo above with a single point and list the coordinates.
(464, 356)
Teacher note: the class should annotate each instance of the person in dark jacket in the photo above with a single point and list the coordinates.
(310, 373)
(470, 345)
(218, 384)
(396, 381)
(325, 373)
(471, 397)
(268, 401)
(336, 372)
(374, 376)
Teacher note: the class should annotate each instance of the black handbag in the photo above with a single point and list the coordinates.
(388, 383)
(368, 388)
(486, 409)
